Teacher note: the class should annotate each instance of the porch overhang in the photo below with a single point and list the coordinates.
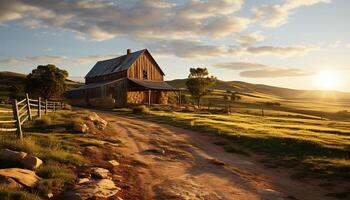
(139, 85)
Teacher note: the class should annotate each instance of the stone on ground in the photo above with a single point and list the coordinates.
(101, 173)
(103, 188)
(23, 176)
(9, 183)
(100, 123)
(11, 156)
(80, 127)
(31, 162)
(114, 163)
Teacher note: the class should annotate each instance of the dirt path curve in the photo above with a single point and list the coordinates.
(173, 163)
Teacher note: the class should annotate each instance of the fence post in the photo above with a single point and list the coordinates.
(28, 107)
(39, 107)
(17, 118)
(45, 106)
(54, 106)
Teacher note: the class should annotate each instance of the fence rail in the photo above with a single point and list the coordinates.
(22, 111)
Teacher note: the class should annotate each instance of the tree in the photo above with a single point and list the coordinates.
(231, 97)
(199, 83)
(47, 81)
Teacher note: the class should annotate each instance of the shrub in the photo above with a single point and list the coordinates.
(43, 122)
(140, 109)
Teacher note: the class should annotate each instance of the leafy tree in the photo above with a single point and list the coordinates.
(199, 83)
(47, 81)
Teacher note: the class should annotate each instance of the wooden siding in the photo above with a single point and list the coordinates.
(144, 62)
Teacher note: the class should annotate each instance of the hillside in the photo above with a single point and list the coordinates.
(256, 95)
(9, 80)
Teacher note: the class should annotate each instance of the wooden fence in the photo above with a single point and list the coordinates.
(27, 109)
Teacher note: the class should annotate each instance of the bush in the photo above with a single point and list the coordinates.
(10, 194)
(140, 110)
(43, 122)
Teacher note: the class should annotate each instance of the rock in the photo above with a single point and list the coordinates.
(31, 162)
(114, 163)
(113, 139)
(100, 123)
(11, 156)
(9, 183)
(80, 127)
(23, 176)
(49, 195)
(83, 180)
(101, 173)
(103, 188)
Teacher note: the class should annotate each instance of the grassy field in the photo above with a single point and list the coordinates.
(313, 147)
(60, 152)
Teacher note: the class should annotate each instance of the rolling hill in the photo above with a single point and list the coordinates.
(8, 80)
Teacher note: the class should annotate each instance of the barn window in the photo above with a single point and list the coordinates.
(145, 74)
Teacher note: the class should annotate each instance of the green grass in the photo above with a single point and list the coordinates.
(315, 148)
(59, 152)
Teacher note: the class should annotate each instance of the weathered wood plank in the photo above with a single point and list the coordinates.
(8, 129)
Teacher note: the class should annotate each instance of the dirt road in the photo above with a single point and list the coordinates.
(164, 162)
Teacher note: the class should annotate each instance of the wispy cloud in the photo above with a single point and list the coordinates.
(239, 65)
(274, 73)
(274, 15)
(251, 38)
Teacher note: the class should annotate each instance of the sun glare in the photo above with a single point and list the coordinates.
(327, 80)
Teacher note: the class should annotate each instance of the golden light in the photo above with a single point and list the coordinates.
(327, 80)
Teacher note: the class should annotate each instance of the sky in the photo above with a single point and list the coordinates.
(301, 44)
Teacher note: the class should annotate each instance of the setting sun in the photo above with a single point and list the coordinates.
(327, 80)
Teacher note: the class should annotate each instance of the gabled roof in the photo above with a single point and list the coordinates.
(118, 64)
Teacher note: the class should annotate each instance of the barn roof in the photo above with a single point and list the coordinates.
(152, 85)
(118, 64)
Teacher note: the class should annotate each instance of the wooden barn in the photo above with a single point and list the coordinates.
(134, 78)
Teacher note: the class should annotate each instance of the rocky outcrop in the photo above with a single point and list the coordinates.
(103, 188)
(100, 123)
(24, 177)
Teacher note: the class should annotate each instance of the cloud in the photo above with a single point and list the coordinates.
(105, 19)
(239, 65)
(277, 14)
(250, 39)
(274, 73)
(282, 51)
(187, 49)
(197, 49)
(53, 59)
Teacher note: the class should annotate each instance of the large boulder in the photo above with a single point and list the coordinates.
(103, 188)
(11, 156)
(31, 162)
(100, 123)
(80, 127)
(25, 177)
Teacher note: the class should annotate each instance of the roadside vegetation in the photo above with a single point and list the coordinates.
(53, 140)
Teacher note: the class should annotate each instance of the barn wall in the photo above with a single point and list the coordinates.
(144, 62)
